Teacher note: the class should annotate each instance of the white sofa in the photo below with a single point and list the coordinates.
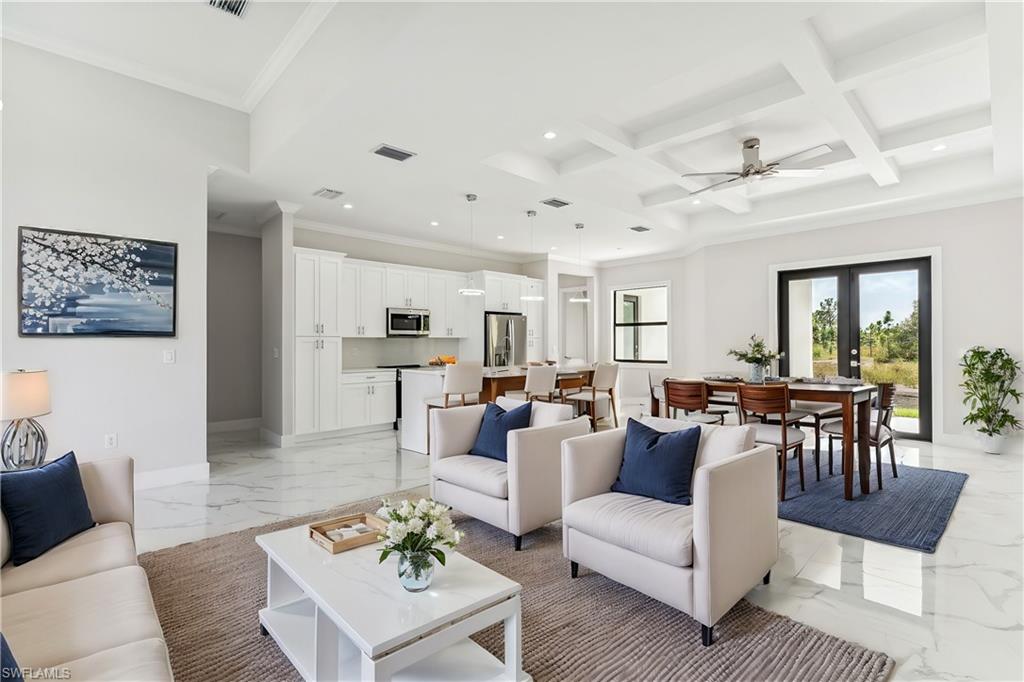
(517, 496)
(85, 606)
(699, 558)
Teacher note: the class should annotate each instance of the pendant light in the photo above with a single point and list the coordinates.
(531, 215)
(584, 298)
(471, 291)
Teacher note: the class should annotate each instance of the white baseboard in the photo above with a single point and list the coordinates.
(353, 431)
(172, 476)
(276, 439)
(234, 425)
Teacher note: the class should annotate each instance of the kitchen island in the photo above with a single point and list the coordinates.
(423, 383)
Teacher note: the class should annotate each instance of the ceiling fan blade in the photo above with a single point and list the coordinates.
(805, 155)
(697, 175)
(717, 184)
(797, 172)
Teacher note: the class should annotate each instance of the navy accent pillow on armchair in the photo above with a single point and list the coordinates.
(492, 440)
(657, 464)
(9, 669)
(44, 507)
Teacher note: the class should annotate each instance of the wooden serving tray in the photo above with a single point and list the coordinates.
(318, 532)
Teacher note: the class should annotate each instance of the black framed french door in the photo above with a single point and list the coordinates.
(870, 321)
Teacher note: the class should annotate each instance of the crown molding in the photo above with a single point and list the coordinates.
(293, 42)
(236, 230)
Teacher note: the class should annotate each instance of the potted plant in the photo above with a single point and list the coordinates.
(989, 376)
(416, 532)
(757, 355)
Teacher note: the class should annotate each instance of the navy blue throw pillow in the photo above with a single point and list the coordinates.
(657, 464)
(492, 441)
(44, 507)
(9, 669)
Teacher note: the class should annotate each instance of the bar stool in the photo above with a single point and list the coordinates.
(462, 385)
(540, 384)
(603, 388)
(690, 396)
(880, 434)
(768, 400)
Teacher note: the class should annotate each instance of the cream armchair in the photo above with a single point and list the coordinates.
(517, 496)
(700, 558)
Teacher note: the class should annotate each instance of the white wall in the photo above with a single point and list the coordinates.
(233, 328)
(721, 294)
(88, 150)
(278, 324)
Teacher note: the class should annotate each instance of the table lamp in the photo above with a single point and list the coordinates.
(26, 394)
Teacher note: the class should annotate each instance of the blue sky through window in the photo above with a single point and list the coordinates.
(893, 291)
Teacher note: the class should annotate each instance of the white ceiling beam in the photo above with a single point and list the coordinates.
(586, 160)
(923, 47)
(807, 60)
(1006, 75)
(953, 125)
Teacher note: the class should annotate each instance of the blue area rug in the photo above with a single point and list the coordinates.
(910, 511)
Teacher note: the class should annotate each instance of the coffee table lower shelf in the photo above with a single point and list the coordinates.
(294, 627)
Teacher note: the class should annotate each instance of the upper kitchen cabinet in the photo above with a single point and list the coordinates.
(363, 288)
(318, 293)
(406, 288)
(447, 307)
(534, 289)
(502, 293)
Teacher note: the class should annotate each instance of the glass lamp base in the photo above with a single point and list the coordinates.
(23, 445)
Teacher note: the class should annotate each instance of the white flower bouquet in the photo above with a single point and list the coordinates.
(417, 532)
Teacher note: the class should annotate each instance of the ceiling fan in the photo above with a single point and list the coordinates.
(754, 169)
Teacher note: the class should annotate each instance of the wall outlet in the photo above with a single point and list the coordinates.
(169, 357)
(277, 353)
(110, 440)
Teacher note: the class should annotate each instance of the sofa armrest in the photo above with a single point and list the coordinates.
(110, 489)
(453, 430)
(735, 529)
(535, 473)
(590, 464)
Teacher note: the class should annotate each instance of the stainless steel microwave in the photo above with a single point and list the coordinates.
(408, 322)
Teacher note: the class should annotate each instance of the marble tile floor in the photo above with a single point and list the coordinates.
(952, 615)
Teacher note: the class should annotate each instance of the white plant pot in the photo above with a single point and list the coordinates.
(992, 444)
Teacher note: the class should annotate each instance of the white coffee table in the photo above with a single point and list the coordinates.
(344, 617)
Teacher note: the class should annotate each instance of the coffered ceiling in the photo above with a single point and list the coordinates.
(920, 104)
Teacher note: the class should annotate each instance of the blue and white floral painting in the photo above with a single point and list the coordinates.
(77, 284)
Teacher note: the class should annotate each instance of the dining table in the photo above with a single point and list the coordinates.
(855, 401)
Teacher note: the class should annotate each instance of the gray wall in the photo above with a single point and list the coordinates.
(233, 327)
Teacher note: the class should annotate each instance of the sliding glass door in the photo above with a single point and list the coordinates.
(870, 321)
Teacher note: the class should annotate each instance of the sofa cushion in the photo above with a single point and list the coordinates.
(658, 530)
(43, 507)
(482, 474)
(492, 439)
(9, 668)
(716, 442)
(143, 660)
(50, 625)
(541, 414)
(101, 548)
(658, 464)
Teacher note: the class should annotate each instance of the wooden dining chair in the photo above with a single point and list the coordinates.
(690, 397)
(880, 434)
(772, 400)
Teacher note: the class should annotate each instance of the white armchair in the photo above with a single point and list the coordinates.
(700, 558)
(517, 496)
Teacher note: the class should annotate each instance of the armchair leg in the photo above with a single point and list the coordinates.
(767, 578)
(518, 542)
(707, 634)
(574, 569)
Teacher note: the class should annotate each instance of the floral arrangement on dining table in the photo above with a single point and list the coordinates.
(757, 355)
(417, 532)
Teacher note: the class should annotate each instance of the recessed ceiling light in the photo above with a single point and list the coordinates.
(695, 202)
(550, 135)
(434, 223)
(554, 248)
(939, 148)
(501, 236)
(347, 206)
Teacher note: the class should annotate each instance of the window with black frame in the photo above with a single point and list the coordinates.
(641, 324)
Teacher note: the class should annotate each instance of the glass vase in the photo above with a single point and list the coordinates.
(415, 570)
(757, 374)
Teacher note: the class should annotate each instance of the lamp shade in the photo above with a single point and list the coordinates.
(26, 393)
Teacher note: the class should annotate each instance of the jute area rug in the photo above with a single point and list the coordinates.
(207, 594)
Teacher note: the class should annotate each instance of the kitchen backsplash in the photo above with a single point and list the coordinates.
(366, 353)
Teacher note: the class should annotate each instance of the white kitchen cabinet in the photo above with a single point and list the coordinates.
(317, 399)
(406, 288)
(447, 306)
(382, 403)
(534, 320)
(318, 294)
(355, 406)
(458, 305)
(368, 399)
(363, 306)
(502, 293)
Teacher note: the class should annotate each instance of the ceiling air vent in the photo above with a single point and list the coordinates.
(389, 152)
(554, 202)
(216, 215)
(640, 228)
(233, 7)
(327, 193)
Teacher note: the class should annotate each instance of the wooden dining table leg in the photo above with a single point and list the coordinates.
(848, 431)
(864, 445)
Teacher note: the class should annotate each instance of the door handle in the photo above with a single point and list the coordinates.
(854, 363)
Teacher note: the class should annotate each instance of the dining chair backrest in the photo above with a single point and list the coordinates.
(605, 376)
(540, 380)
(885, 402)
(763, 399)
(686, 395)
(463, 378)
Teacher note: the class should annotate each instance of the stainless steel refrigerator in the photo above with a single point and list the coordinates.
(504, 340)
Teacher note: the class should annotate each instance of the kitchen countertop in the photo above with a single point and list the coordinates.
(496, 372)
(368, 370)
